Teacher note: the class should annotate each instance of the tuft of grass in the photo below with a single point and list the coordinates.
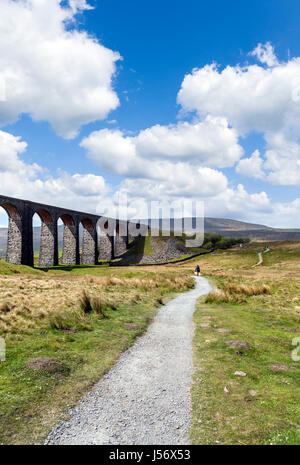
(218, 295)
(68, 319)
(86, 303)
(236, 292)
(100, 307)
(248, 289)
(4, 308)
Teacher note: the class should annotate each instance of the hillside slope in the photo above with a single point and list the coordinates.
(224, 226)
(233, 228)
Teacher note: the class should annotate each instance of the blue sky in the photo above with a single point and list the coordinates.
(159, 44)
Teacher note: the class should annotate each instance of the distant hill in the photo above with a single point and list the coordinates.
(232, 225)
(255, 232)
(233, 228)
(225, 227)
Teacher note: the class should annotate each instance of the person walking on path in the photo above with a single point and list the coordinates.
(197, 270)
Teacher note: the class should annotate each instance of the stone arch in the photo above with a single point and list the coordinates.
(48, 239)
(70, 248)
(89, 255)
(14, 235)
(11, 210)
(87, 224)
(67, 220)
(45, 216)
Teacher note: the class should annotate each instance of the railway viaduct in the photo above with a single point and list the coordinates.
(113, 241)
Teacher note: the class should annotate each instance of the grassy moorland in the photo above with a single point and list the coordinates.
(259, 306)
(84, 317)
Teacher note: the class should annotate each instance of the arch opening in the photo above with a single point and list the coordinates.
(60, 237)
(36, 238)
(4, 219)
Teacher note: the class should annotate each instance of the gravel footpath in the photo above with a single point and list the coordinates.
(145, 397)
(260, 258)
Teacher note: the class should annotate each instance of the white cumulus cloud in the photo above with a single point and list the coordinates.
(251, 98)
(180, 180)
(265, 54)
(50, 70)
(11, 149)
(282, 160)
(262, 98)
(30, 181)
(209, 143)
(252, 166)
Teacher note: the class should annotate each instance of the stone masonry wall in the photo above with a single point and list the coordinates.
(70, 245)
(106, 248)
(14, 241)
(47, 246)
(120, 245)
(89, 247)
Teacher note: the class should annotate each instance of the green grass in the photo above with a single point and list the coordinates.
(32, 402)
(179, 257)
(147, 246)
(142, 246)
(10, 269)
(88, 344)
(95, 270)
(267, 322)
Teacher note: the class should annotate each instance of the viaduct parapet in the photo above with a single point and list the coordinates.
(20, 235)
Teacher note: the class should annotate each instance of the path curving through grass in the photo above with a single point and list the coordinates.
(260, 257)
(145, 397)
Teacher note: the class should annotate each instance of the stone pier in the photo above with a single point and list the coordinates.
(121, 238)
(89, 254)
(14, 237)
(70, 252)
(48, 245)
(106, 250)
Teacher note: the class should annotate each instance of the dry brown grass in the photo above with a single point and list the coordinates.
(29, 302)
(218, 295)
(237, 293)
(249, 290)
(148, 283)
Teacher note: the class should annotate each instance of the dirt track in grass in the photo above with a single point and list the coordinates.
(145, 398)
